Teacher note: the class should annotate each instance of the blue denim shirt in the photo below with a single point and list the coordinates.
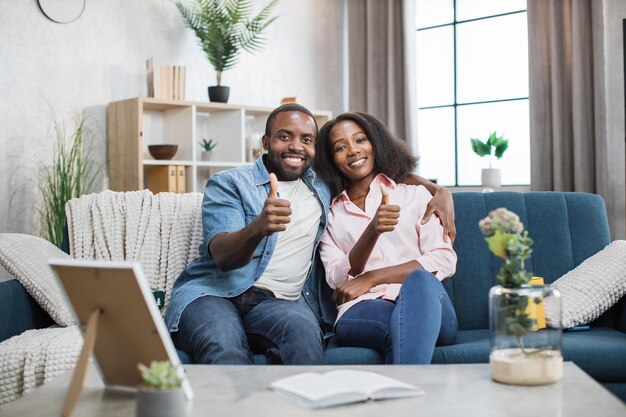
(232, 199)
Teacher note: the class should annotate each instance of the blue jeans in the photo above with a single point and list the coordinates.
(218, 330)
(406, 331)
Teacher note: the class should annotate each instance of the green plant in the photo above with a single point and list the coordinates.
(503, 230)
(224, 28)
(208, 145)
(71, 174)
(498, 144)
(160, 375)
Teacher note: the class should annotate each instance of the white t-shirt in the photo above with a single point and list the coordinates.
(290, 263)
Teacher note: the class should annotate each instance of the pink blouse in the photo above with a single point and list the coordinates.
(410, 240)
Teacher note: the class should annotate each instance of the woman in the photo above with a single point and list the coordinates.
(384, 265)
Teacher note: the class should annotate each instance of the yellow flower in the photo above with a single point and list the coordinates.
(498, 242)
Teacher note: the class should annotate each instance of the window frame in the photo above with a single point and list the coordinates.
(455, 105)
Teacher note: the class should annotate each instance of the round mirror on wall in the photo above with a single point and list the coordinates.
(62, 11)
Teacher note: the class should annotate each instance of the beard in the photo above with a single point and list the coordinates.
(274, 163)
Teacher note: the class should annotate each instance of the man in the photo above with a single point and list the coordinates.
(262, 224)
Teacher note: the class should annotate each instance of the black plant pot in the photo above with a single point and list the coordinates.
(219, 93)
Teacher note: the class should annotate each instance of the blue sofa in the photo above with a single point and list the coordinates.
(567, 228)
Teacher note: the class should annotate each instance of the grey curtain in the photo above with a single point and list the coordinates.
(569, 149)
(380, 38)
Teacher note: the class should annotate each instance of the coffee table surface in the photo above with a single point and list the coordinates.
(451, 390)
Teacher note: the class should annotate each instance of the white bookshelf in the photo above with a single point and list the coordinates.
(136, 123)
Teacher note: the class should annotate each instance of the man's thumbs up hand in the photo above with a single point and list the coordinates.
(276, 211)
(273, 186)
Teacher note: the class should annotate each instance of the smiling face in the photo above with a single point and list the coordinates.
(291, 145)
(352, 151)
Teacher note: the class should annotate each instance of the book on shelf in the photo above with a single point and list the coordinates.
(181, 179)
(314, 390)
(162, 86)
(166, 179)
(165, 81)
(176, 80)
(150, 76)
(181, 83)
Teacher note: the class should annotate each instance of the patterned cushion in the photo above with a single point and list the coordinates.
(26, 258)
(591, 288)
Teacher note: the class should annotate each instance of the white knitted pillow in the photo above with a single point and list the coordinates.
(591, 288)
(26, 258)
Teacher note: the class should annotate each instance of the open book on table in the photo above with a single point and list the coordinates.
(338, 387)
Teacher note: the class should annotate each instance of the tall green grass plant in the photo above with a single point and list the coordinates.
(70, 174)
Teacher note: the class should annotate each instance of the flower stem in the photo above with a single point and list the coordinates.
(520, 343)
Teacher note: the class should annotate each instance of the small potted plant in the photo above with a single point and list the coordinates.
(223, 28)
(207, 148)
(490, 177)
(161, 394)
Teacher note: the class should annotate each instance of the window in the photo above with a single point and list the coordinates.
(472, 79)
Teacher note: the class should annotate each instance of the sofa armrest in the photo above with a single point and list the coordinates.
(19, 311)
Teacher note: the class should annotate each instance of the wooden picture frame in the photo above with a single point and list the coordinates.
(120, 322)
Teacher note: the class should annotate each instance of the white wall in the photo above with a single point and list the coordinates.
(50, 70)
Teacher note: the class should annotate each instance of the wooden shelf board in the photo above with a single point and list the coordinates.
(166, 162)
(221, 164)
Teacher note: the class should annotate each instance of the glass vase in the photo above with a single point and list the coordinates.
(525, 342)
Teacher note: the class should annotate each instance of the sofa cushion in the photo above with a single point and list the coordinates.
(352, 356)
(591, 288)
(26, 258)
(600, 351)
(470, 346)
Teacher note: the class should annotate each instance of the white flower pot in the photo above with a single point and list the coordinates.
(491, 177)
(155, 403)
(206, 156)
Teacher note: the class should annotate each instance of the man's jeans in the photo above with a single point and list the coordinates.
(219, 330)
(405, 331)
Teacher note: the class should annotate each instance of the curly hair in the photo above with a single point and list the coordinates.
(392, 156)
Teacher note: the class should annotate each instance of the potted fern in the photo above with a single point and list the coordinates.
(496, 146)
(224, 28)
(161, 394)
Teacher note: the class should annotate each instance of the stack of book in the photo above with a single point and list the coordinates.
(166, 179)
(165, 81)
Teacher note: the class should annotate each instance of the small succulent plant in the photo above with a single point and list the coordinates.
(160, 375)
(208, 145)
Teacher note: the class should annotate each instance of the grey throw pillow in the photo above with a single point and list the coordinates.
(591, 288)
(26, 258)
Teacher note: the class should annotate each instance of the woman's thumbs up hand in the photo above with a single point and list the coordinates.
(387, 215)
